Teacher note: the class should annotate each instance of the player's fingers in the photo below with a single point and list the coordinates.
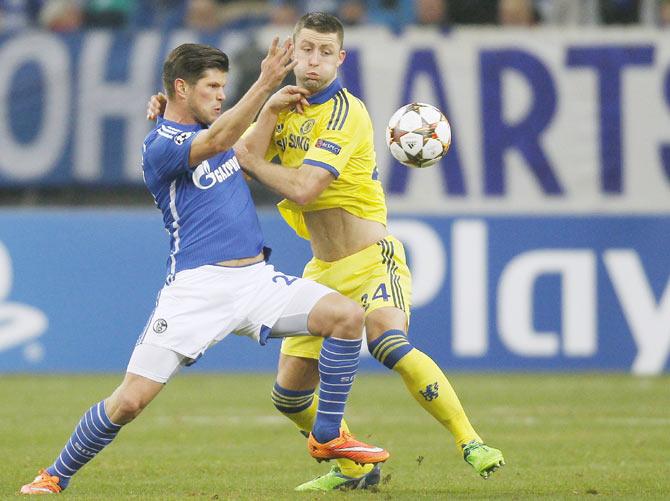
(272, 50)
(290, 65)
(151, 112)
(288, 44)
(301, 90)
(286, 57)
(301, 104)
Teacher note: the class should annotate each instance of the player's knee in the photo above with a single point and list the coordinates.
(337, 316)
(128, 407)
(349, 318)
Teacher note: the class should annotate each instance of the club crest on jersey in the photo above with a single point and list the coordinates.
(334, 148)
(279, 128)
(307, 126)
(204, 177)
(180, 138)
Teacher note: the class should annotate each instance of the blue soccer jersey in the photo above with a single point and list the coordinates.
(207, 210)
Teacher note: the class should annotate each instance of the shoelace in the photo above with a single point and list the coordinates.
(469, 448)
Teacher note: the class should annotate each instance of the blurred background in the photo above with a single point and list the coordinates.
(540, 242)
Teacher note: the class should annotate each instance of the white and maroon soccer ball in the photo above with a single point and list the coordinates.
(418, 135)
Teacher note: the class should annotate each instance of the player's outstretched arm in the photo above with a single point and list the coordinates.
(259, 137)
(228, 128)
(302, 185)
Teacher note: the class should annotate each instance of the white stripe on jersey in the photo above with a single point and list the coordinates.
(168, 136)
(175, 225)
(169, 128)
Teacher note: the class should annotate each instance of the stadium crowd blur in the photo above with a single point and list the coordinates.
(215, 16)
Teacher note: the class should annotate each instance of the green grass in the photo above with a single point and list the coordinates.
(218, 437)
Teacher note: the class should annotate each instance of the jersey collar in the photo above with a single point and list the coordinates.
(327, 93)
(185, 127)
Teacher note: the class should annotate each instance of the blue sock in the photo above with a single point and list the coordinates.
(390, 347)
(338, 363)
(93, 433)
(291, 401)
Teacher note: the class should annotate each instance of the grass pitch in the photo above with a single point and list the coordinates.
(218, 437)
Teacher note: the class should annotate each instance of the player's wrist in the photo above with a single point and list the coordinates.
(264, 84)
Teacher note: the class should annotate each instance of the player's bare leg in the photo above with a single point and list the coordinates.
(386, 330)
(96, 429)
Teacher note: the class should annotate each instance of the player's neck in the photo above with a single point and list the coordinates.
(178, 114)
(328, 84)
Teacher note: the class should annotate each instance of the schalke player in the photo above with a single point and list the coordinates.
(218, 281)
(335, 199)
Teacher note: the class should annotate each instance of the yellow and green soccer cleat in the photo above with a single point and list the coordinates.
(484, 459)
(335, 480)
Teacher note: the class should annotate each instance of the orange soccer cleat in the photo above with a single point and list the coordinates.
(43, 484)
(347, 447)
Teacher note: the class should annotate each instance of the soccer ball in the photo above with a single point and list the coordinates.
(418, 135)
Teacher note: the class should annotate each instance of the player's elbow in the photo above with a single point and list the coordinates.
(304, 194)
(302, 198)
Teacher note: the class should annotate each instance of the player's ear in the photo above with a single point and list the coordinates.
(342, 56)
(180, 87)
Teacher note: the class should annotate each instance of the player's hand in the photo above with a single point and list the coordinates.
(289, 96)
(156, 106)
(277, 63)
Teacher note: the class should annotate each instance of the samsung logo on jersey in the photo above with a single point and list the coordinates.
(204, 177)
(328, 146)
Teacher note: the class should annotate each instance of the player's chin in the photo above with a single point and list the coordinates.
(313, 84)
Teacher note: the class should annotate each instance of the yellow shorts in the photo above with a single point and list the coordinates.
(376, 277)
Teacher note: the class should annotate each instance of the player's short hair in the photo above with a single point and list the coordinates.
(322, 23)
(189, 61)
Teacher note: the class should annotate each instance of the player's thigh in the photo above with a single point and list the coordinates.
(376, 277)
(281, 306)
(197, 309)
(302, 346)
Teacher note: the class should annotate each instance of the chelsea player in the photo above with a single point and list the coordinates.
(217, 279)
(334, 198)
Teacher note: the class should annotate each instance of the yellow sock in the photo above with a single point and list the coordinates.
(430, 387)
(305, 420)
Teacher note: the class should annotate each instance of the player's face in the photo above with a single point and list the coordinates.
(319, 55)
(206, 97)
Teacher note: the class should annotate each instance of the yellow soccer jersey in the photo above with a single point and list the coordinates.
(335, 133)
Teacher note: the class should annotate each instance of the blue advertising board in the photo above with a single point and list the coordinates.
(512, 293)
(565, 122)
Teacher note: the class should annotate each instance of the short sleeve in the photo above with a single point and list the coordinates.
(336, 141)
(168, 155)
